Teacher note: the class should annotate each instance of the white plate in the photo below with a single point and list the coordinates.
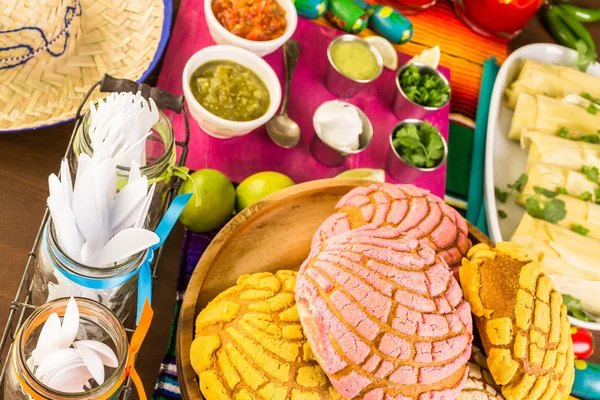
(505, 161)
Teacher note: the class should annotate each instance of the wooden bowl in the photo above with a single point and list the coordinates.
(272, 234)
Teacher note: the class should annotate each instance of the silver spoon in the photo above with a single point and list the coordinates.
(282, 129)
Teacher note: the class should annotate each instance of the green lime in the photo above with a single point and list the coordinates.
(371, 174)
(259, 185)
(216, 199)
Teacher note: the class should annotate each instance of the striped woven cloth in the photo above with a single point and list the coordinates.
(464, 52)
(194, 244)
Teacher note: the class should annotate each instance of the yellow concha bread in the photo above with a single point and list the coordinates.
(521, 320)
(250, 345)
(480, 383)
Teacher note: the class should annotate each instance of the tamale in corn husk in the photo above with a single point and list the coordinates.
(548, 116)
(560, 152)
(560, 250)
(553, 178)
(551, 80)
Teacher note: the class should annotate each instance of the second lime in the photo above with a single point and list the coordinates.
(259, 185)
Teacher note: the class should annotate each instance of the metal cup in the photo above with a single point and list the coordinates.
(331, 156)
(401, 170)
(338, 83)
(403, 107)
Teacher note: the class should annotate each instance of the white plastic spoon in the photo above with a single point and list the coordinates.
(70, 324)
(93, 362)
(107, 355)
(48, 339)
(125, 244)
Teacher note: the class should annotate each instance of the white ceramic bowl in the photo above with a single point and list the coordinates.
(221, 35)
(219, 127)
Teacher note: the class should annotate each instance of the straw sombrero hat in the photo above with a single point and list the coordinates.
(53, 51)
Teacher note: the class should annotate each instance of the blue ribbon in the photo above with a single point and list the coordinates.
(145, 278)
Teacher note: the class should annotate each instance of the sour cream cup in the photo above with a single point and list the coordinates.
(219, 127)
(338, 83)
(331, 156)
(221, 35)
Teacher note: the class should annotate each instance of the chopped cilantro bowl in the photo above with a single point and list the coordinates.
(419, 144)
(423, 86)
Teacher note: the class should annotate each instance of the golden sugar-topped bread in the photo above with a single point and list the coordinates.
(250, 345)
(480, 384)
(385, 317)
(521, 320)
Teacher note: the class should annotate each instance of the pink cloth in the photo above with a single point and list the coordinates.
(240, 157)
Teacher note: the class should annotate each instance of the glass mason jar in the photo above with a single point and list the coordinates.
(49, 281)
(96, 323)
(161, 155)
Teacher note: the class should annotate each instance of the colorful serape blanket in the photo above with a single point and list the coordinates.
(194, 244)
(464, 52)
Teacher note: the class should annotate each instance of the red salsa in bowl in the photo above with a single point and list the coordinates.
(258, 20)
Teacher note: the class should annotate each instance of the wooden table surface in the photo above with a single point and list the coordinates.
(26, 160)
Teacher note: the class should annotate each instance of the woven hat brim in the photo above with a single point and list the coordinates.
(122, 38)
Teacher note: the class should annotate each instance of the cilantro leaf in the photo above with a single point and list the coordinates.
(500, 195)
(597, 195)
(574, 308)
(534, 208)
(585, 196)
(592, 109)
(421, 146)
(591, 173)
(432, 141)
(563, 132)
(590, 139)
(519, 184)
(582, 230)
(409, 137)
(502, 214)
(544, 192)
(561, 190)
(418, 160)
(585, 56)
(586, 96)
(554, 210)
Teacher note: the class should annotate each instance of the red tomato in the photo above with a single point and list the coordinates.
(583, 342)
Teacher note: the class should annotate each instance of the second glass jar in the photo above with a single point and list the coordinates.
(160, 153)
(53, 266)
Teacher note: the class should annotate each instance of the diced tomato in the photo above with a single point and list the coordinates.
(258, 20)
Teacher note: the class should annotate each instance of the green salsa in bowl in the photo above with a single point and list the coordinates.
(230, 91)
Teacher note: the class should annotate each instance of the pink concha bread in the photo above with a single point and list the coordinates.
(414, 211)
(385, 317)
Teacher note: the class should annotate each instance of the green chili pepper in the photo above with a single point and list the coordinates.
(576, 28)
(582, 14)
(558, 29)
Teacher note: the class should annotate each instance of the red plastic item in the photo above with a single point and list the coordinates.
(417, 4)
(497, 17)
(583, 342)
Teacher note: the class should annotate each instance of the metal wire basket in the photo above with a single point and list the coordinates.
(21, 306)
